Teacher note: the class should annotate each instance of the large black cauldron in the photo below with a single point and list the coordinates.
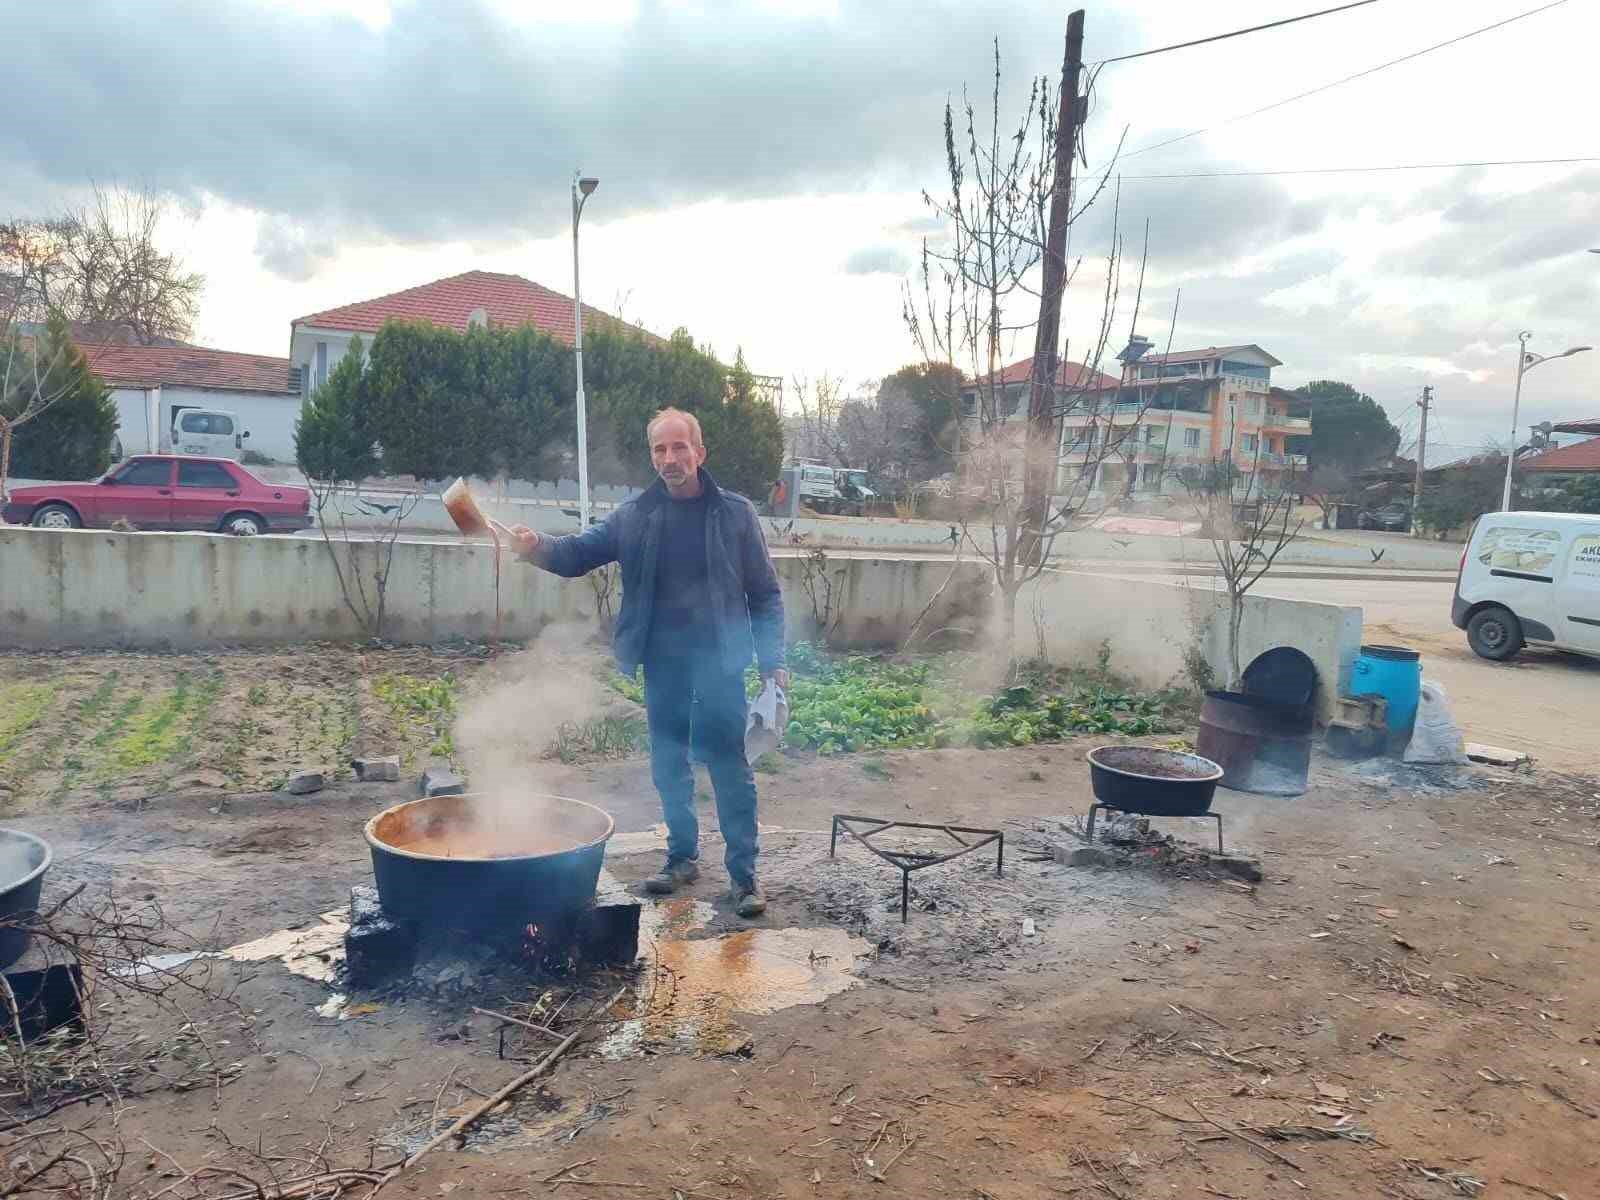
(1156, 783)
(23, 861)
(461, 863)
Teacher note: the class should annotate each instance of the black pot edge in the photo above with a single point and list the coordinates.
(1191, 779)
(49, 858)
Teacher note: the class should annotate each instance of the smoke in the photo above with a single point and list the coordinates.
(504, 733)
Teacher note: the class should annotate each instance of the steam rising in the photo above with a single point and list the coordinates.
(504, 733)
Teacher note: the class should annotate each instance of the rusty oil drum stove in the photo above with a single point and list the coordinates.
(1261, 736)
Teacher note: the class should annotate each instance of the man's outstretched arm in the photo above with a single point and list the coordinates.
(573, 555)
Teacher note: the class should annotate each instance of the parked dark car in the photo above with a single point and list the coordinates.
(166, 491)
(1392, 518)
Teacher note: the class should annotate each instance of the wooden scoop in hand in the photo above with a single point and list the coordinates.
(469, 518)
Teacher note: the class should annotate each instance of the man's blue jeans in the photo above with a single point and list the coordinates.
(694, 701)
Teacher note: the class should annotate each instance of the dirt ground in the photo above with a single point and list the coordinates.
(1414, 977)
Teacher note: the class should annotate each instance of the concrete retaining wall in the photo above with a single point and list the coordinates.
(185, 590)
(84, 588)
(1153, 626)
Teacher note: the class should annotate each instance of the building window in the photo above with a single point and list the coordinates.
(1149, 434)
(1191, 439)
(1253, 406)
(1248, 442)
(322, 363)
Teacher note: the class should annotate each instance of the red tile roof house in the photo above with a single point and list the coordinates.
(317, 342)
(148, 381)
(1010, 391)
(1554, 467)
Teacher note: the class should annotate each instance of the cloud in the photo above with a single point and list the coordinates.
(459, 120)
(878, 260)
(286, 250)
(1490, 232)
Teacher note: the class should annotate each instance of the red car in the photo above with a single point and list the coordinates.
(166, 491)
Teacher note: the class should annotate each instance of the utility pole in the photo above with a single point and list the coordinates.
(1041, 454)
(1422, 453)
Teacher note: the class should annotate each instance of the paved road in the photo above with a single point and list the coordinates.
(1542, 701)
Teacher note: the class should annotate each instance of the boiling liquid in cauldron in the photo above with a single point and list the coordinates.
(454, 842)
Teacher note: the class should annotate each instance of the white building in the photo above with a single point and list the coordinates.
(147, 382)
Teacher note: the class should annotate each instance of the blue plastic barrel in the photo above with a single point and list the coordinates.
(1395, 673)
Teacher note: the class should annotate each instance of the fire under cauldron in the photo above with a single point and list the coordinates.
(461, 864)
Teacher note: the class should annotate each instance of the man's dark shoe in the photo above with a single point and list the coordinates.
(677, 873)
(749, 900)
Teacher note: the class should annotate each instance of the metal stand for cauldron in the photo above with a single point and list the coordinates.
(909, 860)
(1094, 808)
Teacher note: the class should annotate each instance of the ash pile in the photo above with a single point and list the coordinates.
(1124, 840)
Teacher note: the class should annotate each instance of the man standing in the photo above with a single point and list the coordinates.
(699, 599)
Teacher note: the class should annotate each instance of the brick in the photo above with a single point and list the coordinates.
(378, 947)
(384, 769)
(303, 783)
(441, 781)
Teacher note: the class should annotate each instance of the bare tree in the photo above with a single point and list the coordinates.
(1326, 488)
(816, 429)
(101, 266)
(880, 435)
(383, 522)
(961, 312)
(1248, 526)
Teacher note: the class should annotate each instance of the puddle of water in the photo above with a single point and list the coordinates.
(694, 989)
(314, 953)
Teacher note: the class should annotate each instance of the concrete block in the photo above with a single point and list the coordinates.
(610, 932)
(1496, 756)
(385, 769)
(441, 781)
(378, 947)
(1085, 856)
(49, 987)
(303, 783)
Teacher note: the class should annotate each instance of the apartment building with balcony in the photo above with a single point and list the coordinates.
(996, 407)
(1185, 409)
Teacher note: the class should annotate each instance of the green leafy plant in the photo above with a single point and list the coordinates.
(428, 705)
(600, 737)
(857, 703)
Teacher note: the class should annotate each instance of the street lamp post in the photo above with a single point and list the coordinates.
(582, 188)
(1526, 362)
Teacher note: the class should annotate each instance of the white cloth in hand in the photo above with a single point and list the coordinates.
(768, 718)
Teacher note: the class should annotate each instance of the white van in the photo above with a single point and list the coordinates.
(189, 429)
(1530, 577)
(211, 433)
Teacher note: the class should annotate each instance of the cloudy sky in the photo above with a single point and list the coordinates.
(762, 162)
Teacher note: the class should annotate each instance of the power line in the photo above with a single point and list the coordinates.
(1256, 112)
(1222, 37)
(1504, 162)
